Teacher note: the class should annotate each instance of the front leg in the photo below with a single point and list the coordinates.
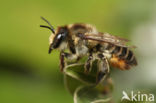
(62, 62)
(68, 56)
(103, 68)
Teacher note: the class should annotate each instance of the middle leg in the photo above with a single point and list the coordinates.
(88, 64)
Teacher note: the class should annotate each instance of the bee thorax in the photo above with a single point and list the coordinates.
(81, 50)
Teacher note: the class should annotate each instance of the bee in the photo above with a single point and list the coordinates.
(84, 40)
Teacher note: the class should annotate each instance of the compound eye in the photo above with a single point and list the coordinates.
(59, 36)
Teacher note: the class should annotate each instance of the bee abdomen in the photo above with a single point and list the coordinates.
(123, 58)
(131, 60)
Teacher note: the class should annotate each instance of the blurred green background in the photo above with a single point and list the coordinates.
(28, 74)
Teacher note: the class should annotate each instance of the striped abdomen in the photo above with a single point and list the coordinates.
(122, 57)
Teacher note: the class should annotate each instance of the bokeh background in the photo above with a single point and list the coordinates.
(28, 74)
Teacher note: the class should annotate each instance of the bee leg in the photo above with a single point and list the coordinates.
(62, 62)
(88, 64)
(78, 58)
(103, 68)
(68, 56)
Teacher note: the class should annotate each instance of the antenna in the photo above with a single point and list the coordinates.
(51, 27)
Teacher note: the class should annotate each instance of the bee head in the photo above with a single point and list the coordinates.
(58, 39)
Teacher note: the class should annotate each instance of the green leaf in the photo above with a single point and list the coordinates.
(77, 71)
(83, 86)
(90, 94)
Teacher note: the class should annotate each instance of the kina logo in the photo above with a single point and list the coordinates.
(137, 96)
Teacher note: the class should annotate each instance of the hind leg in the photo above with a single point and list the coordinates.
(103, 68)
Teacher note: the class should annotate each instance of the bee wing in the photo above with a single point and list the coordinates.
(114, 37)
(105, 37)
